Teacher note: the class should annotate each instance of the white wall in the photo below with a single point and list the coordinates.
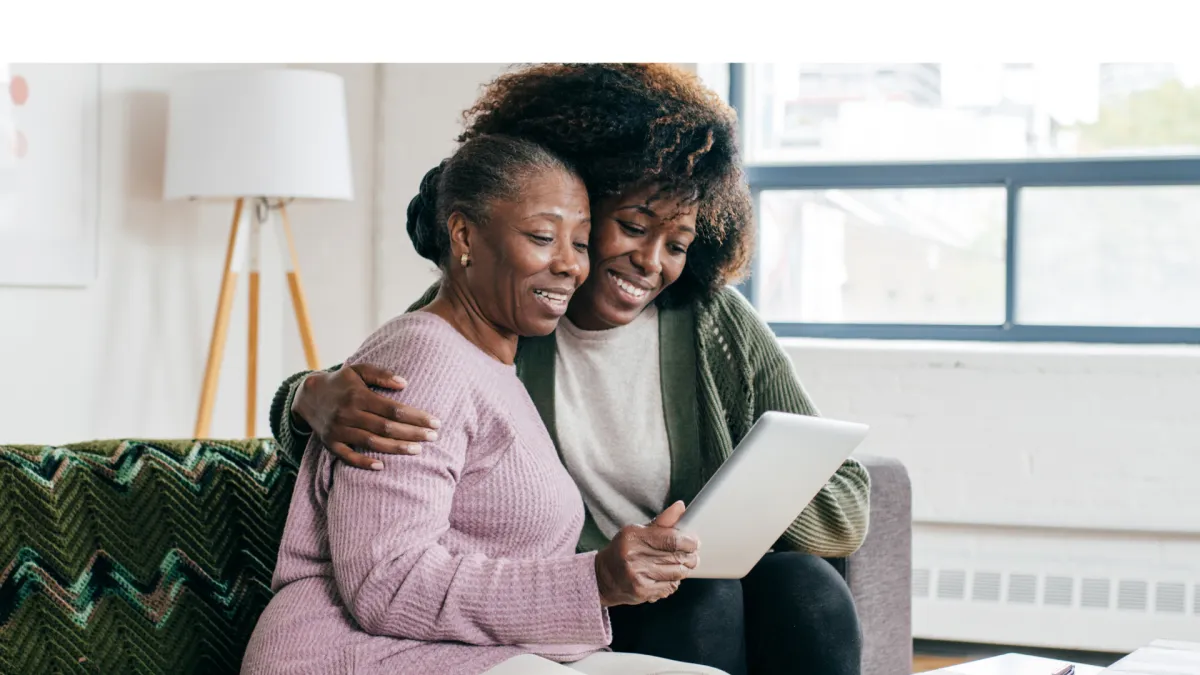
(125, 356)
(1102, 437)
(1048, 460)
(421, 106)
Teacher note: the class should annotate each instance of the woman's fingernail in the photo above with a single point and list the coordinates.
(414, 448)
(399, 380)
(378, 466)
(435, 424)
(431, 435)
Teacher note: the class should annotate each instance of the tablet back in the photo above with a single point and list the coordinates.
(769, 479)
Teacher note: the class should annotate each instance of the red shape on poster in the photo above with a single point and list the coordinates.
(18, 90)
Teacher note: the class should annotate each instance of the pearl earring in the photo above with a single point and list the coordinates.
(465, 259)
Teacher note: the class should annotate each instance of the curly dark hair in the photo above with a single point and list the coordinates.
(626, 126)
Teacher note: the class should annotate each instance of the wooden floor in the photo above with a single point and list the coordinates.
(924, 664)
(932, 654)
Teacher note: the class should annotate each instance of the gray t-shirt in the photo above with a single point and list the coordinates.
(608, 411)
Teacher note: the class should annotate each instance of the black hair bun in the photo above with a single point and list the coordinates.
(423, 226)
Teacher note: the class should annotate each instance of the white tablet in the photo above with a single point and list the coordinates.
(772, 475)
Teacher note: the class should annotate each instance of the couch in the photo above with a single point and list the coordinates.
(138, 556)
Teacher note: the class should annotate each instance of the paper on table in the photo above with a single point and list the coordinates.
(1160, 658)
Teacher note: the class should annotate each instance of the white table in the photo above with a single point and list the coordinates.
(1016, 664)
(1161, 657)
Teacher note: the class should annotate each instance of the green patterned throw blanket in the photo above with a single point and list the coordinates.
(137, 556)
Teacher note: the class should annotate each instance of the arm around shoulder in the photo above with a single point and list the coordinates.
(292, 433)
(288, 431)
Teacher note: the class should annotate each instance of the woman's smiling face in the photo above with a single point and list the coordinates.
(639, 247)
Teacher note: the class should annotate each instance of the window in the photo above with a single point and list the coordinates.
(1117, 256)
(917, 255)
(974, 201)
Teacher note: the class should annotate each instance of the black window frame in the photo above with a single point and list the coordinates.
(1013, 176)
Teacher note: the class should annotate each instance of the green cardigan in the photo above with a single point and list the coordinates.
(721, 368)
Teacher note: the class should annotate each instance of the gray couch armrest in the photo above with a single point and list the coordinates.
(880, 572)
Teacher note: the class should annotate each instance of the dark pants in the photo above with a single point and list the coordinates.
(792, 614)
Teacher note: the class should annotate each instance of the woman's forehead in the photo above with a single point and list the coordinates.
(654, 202)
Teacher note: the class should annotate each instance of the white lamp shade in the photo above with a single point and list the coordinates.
(258, 133)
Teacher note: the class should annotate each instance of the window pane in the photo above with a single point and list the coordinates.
(715, 76)
(882, 256)
(1109, 256)
(807, 112)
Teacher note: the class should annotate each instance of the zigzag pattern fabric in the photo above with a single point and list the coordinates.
(137, 556)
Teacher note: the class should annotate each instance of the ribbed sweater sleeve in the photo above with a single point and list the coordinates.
(385, 527)
(835, 522)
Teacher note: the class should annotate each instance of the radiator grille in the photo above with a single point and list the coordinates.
(1059, 592)
(1170, 597)
(986, 587)
(952, 585)
(1095, 593)
(1131, 595)
(1022, 589)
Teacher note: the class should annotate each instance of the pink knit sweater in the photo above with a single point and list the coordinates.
(446, 562)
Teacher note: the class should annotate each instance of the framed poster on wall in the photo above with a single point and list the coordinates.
(49, 174)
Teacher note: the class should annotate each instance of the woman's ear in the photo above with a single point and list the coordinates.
(460, 235)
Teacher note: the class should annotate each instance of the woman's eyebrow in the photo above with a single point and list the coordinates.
(640, 208)
(646, 210)
(545, 214)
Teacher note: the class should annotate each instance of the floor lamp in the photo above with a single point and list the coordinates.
(260, 138)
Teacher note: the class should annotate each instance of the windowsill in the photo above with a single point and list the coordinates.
(969, 347)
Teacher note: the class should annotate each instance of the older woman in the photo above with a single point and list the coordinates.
(463, 558)
(656, 372)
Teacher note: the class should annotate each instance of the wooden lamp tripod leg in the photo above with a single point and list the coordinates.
(252, 345)
(299, 303)
(216, 346)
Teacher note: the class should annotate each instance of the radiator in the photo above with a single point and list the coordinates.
(1087, 590)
